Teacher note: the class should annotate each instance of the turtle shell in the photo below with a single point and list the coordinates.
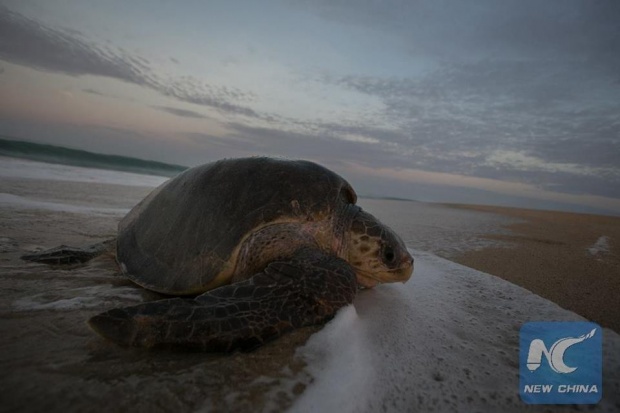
(182, 236)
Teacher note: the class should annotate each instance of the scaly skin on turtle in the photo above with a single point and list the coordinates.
(271, 245)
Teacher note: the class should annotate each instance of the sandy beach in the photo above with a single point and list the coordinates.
(570, 259)
(424, 335)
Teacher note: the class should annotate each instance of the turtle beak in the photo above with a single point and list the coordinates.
(406, 269)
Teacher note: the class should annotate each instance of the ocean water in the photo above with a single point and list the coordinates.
(28, 169)
(439, 229)
(66, 156)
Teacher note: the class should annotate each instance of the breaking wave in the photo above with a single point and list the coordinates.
(75, 157)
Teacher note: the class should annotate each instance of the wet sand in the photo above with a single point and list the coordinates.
(52, 361)
(556, 255)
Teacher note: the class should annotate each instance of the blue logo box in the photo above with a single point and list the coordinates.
(560, 363)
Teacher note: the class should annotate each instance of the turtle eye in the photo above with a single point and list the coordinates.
(388, 254)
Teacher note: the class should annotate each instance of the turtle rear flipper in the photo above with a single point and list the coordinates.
(66, 255)
(306, 290)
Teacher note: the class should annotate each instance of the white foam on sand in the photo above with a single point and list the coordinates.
(600, 246)
(20, 168)
(16, 201)
(445, 341)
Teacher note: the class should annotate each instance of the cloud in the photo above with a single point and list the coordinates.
(452, 30)
(483, 187)
(192, 90)
(93, 92)
(314, 144)
(565, 177)
(26, 42)
(564, 117)
(181, 112)
(522, 162)
(519, 90)
(537, 78)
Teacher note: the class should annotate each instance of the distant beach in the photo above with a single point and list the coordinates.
(570, 259)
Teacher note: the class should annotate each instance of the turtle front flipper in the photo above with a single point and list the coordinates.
(306, 290)
(65, 255)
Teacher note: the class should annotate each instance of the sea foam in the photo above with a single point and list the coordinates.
(16, 201)
(445, 341)
(601, 246)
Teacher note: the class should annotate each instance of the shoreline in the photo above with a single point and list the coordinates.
(57, 363)
(569, 258)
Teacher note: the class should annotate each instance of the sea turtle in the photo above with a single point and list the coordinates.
(263, 245)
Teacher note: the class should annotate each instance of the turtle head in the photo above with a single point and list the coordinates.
(376, 253)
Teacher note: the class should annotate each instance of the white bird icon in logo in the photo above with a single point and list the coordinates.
(555, 355)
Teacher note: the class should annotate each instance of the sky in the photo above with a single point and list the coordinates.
(512, 102)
